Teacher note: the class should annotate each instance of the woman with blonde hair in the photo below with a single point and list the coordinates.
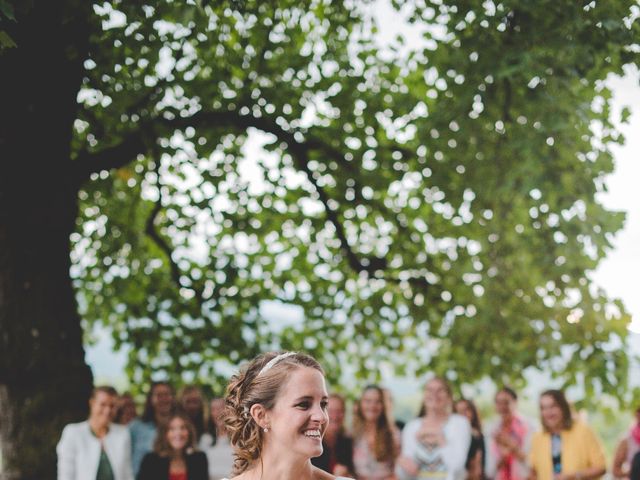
(174, 455)
(376, 440)
(276, 415)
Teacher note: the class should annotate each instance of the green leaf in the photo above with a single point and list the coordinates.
(7, 10)
(6, 41)
(625, 114)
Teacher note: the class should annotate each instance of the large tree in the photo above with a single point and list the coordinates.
(430, 205)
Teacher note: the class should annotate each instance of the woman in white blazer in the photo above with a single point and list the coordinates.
(96, 449)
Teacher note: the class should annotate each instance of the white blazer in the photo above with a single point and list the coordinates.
(79, 452)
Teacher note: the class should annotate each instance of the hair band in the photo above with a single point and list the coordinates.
(274, 361)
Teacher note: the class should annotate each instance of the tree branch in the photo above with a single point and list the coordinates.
(163, 245)
(150, 230)
(109, 158)
(120, 155)
(299, 150)
(369, 264)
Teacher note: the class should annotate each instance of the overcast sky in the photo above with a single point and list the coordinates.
(619, 273)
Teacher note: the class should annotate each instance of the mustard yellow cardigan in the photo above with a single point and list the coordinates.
(581, 449)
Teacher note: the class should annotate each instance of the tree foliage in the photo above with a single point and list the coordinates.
(431, 205)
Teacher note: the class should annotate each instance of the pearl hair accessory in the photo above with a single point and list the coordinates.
(274, 361)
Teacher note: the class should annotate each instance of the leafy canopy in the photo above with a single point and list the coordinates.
(430, 205)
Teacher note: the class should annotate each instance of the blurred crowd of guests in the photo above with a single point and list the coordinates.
(183, 438)
(173, 439)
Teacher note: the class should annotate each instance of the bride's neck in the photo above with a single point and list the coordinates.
(274, 466)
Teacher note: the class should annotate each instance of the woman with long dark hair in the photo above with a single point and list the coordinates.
(158, 406)
(376, 441)
(191, 401)
(476, 455)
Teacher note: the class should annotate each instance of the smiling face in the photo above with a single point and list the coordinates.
(126, 408)
(505, 404)
(162, 399)
(299, 417)
(551, 414)
(177, 434)
(102, 408)
(192, 403)
(371, 405)
(437, 398)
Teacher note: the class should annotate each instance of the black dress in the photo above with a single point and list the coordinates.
(342, 454)
(155, 467)
(477, 444)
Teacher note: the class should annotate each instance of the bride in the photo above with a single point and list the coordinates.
(276, 415)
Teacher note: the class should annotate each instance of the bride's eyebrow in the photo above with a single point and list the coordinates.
(305, 397)
(310, 398)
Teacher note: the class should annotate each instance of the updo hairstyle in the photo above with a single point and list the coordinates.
(253, 385)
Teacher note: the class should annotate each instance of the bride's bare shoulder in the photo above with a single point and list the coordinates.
(322, 475)
(243, 476)
(318, 475)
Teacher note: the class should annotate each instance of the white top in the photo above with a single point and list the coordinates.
(446, 461)
(220, 458)
(79, 452)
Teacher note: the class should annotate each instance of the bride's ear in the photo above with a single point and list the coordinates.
(259, 415)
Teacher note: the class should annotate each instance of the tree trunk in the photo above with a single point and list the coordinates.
(44, 381)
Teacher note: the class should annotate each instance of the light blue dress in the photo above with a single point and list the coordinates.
(143, 434)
